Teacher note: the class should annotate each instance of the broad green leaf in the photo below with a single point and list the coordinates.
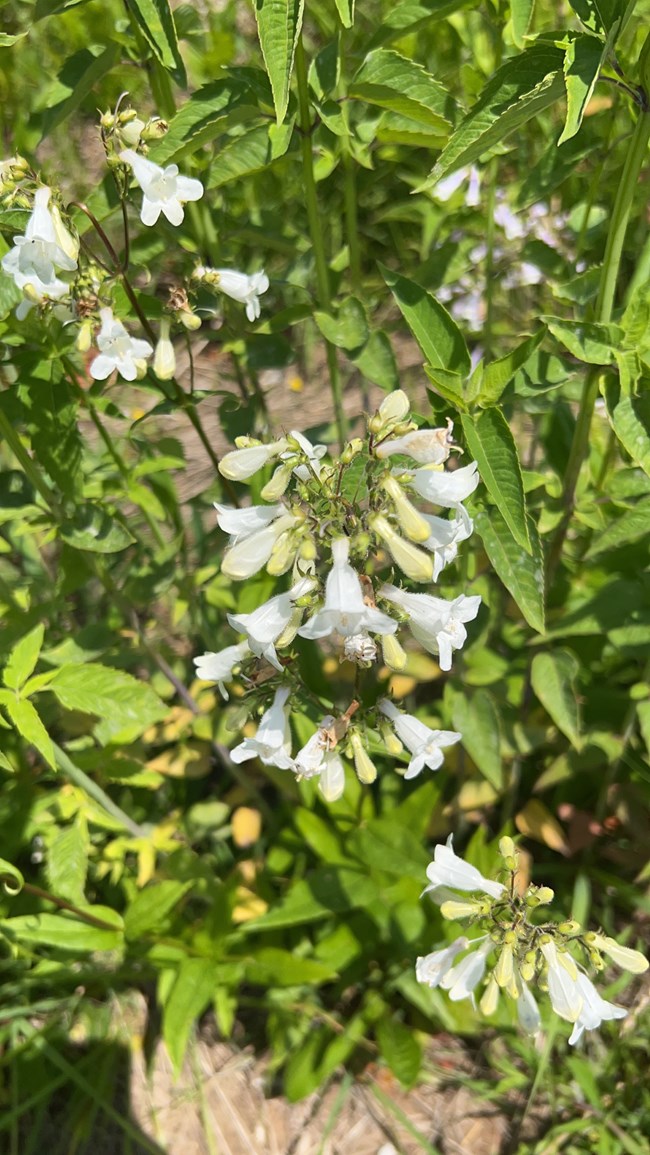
(279, 23)
(345, 9)
(411, 14)
(553, 678)
(522, 88)
(599, 15)
(67, 863)
(125, 706)
(191, 994)
(437, 334)
(630, 420)
(325, 69)
(10, 877)
(384, 845)
(23, 658)
(92, 528)
(252, 152)
(521, 573)
(348, 329)
(152, 906)
(63, 932)
(586, 340)
(319, 835)
(400, 1049)
(376, 361)
(27, 722)
(492, 445)
(446, 385)
(156, 20)
(521, 14)
(322, 893)
(93, 65)
(499, 373)
(201, 118)
(477, 719)
(272, 966)
(401, 85)
(582, 62)
(633, 525)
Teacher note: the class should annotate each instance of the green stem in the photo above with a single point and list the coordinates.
(314, 219)
(95, 792)
(30, 469)
(84, 915)
(351, 221)
(489, 258)
(603, 314)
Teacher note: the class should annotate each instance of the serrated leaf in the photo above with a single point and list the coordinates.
(582, 62)
(522, 88)
(323, 892)
(28, 724)
(151, 907)
(553, 678)
(630, 420)
(272, 966)
(92, 66)
(590, 342)
(633, 525)
(521, 573)
(348, 329)
(401, 85)
(92, 528)
(65, 933)
(492, 445)
(599, 15)
(191, 994)
(201, 118)
(500, 373)
(279, 23)
(477, 719)
(252, 152)
(384, 845)
(124, 705)
(156, 20)
(67, 863)
(23, 658)
(400, 1050)
(435, 331)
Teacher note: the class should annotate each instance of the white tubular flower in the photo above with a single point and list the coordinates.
(445, 537)
(527, 1009)
(564, 990)
(218, 667)
(242, 522)
(332, 777)
(449, 870)
(248, 554)
(272, 743)
(432, 968)
(118, 350)
(624, 957)
(438, 625)
(64, 238)
(309, 761)
(163, 189)
(345, 611)
(509, 222)
(464, 977)
(269, 621)
(411, 560)
(38, 254)
(240, 286)
(446, 187)
(428, 446)
(424, 744)
(594, 1010)
(164, 360)
(313, 452)
(444, 488)
(240, 464)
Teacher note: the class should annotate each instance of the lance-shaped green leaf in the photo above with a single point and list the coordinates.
(435, 331)
(345, 9)
(399, 84)
(553, 678)
(23, 658)
(409, 15)
(156, 20)
(477, 719)
(28, 724)
(521, 573)
(521, 14)
(250, 153)
(632, 526)
(492, 445)
(600, 15)
(522, 88)
(630, 419)
(591, 342)
(278, 24)
(204, 116)
(499, 373)
(582, 63)
(63, 932)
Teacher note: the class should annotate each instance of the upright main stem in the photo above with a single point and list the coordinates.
(603, 315)
(318, 244)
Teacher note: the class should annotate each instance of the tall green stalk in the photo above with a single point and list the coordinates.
(318, 243)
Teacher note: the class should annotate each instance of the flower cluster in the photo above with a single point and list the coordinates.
(552, 956)
(341, 526)
(46, 249)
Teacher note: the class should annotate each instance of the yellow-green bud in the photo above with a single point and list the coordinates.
(282, 554)
(154, 129)
(351, 450)
(569, 927)
(411, 520)
(85, 335)
(394, 407)
(189, 320)
(107, 121)
(624, 957)
(507, 848)
(307, 549)
(391, 741)
(278, 483)
(454, 909)
(363, 764)
(412, 561)
(527, 971)
(504, 968)
(395, 656)
(490, 998)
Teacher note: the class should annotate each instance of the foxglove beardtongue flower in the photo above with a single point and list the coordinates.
(266, 624)
(314, 454)
(624, 957)
(432, 968)
(218, 667)
(428, 446)
(309, 761)
(240, 464)
(437, 624)
(239, 286)
(445, 537)
(424, 744)
(442, 487)
(448, 869)
(248, 554)
(446, 187)
(272, 742)
(46, 248)
(242, 522)
(527, 1009)
(118, 350)
(163, 189)
(345, 611)
(463, 978)
(594, 1010)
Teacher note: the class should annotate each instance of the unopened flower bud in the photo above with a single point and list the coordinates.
(107, 121)
(154, 129)
(282, 555)
(507, 848)
(164, 361)
(307, 549)
(490, 998)
(394, 407)
(131, 131)
(278, 483)
(391, 741)
(412, 561)
(351, 450)
(624, 957)
(504, 968)
(569, 927)
(411, 521)
(454, 909)
(64, 238)
(395, 656)
(363, 764)
(189, 320)
(85, 335)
